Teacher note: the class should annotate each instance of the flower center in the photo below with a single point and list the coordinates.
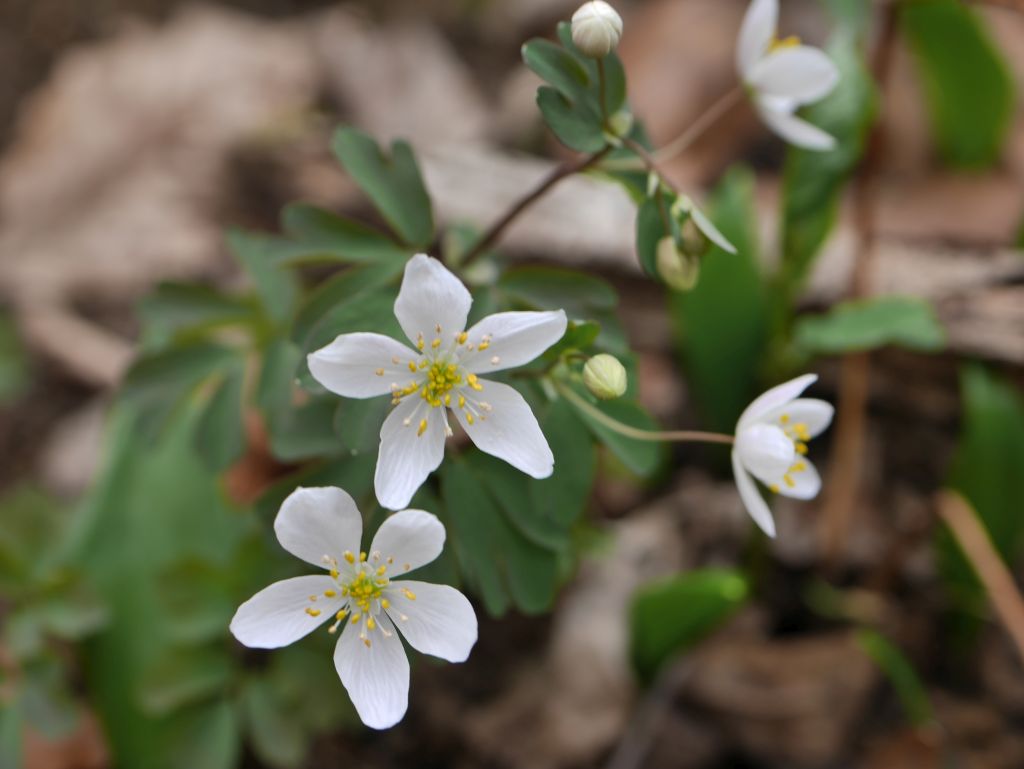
(779, 44)
(442, 377)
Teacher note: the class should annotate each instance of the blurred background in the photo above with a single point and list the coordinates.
(133, 133)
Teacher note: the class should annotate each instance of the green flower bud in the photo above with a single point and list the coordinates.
(596, 29)
(621, 123)
(605, 377)
(679, 270)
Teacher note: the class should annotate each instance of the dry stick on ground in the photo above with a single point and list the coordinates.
(847, 455)
(977, 546)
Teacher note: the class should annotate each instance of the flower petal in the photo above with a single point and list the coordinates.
(412, 538)
(406, 456)
(438, 621)
(815, 415)
(316, 522)
(431, 296)
(515, 338)
(797, 131)
(756, 34)
(276, 616)
(802, 73)
(711, 231)
(505, 427)
(806, 482)
(375, 676)
(752, 498)
(773, 398)
(361, 365)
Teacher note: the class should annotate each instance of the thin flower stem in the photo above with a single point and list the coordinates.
(685, 140)
(649, 161)
(496, 230)
(664, 436)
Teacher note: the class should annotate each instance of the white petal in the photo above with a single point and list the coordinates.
(505, 427)
(711, 231)
(361, 365)
(515, 338)
(375, 676)
(316, 522)
(797, 131)
(801, 73)
(439, 621)
(806, 482)
(756, 34)
(412, 538)
(276, 616)
(773, 398)
(431, 296)
(766, 451)
(406, 457)
(815, 415)
(752, 498)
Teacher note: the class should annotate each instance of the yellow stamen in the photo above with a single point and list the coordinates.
(312, 612)
(329, 594)
(422, 428)
(789, 42)
(347, 555)
(408, 594)
(462, 337)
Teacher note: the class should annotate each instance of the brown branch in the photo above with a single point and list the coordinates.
(988, 565)
(855, 369)
(562, 171)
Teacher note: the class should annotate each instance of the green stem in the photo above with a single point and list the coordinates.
(601, 89)
(656, 436)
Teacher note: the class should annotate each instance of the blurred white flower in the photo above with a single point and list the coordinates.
(596, 29)
(771, 443)
(441, 373)
(783, 75)
(323, 527)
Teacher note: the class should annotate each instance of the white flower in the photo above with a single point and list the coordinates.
(441, 373)
(596, 29)
(783, 76)
(323, 527)
(771, 441)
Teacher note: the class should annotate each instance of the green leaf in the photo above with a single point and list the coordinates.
(721, 324)
(207, 737)
(220, 434)
(183, 676)
(577, 131)
(813, 182)
(156, 384)
(392, 182)
(614, 73)
(502, 565)
(650, 230)
(987, 472)
(357, 423)
(968, 86)
(901, 674)
(174, 310)
(560, 68)
(75, 613)
(13, 361)
(641, 457)
(305, 432)
(334, 237)
(11, 728)
(872, 323)
(278, 288)
(277, 735)
(46, 699)
(671, 616)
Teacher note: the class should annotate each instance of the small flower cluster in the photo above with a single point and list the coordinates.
(443, 370)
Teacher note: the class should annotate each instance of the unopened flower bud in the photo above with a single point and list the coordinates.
(596, 29)
(605, 377)
(695, 243)
(678, 270)
(621, 122)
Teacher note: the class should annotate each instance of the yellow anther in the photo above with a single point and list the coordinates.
(379, 372)
(367, 642)
(371, 623)
(422, 428)
(385, 603)
(774, 488)
(483, 346)
(412, 366)
(784, 419)
(406, 567)
(798, 467)
(362, 557)
(790, 42)
(329, 594)
(347, 555)
(341, 614)
(789, 480)
(408, 594)
(312, 598)
(462, 337)
(801, 448)
(381, 570)
(435, 344)
(469, 418)
(462, 401)
(312, 612)
(355, 619)
(334, 573)
(391, 559)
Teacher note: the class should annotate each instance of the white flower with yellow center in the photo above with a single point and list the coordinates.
(442, 373)
(322, 526)
(783, 75)
(771, 444)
